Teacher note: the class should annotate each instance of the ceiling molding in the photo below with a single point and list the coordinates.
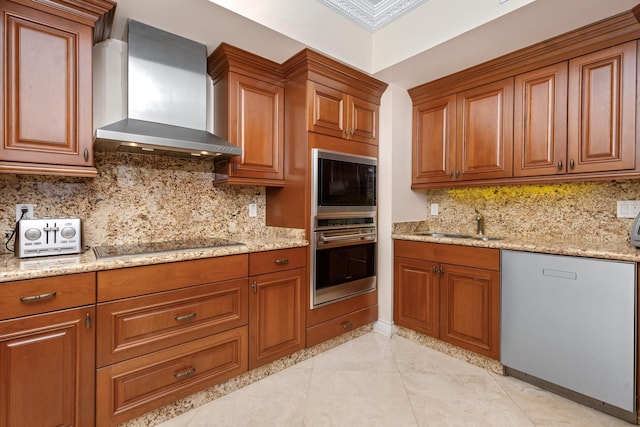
(372, 14)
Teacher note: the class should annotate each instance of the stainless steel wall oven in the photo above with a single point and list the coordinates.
(343, 241)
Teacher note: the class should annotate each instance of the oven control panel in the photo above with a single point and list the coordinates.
(48, 236)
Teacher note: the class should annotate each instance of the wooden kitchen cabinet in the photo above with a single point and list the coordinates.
(449, 292)
(573, 117)
(464, 137)
(168, 330)
(602, 110)
(47, 122)
(540, 122)
(577, 116)
(416, 297)
(336, 113)
(276, 304)
(249, 101)
(47, 361)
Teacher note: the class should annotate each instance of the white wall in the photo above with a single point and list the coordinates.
(396, 200)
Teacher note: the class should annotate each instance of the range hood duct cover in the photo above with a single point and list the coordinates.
(167, 101)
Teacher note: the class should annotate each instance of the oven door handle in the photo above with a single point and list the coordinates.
(348, 237)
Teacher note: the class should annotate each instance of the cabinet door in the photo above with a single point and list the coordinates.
(47, 370)
(484, 144)
(327, 110)
(362, 121)
(540, 122)
(602, 110)
(434, 135)
(416, 295)
(46, 75)
(470, 309)
(276, 323)
(256, 124)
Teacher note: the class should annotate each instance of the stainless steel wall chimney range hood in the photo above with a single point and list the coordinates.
(167, 100)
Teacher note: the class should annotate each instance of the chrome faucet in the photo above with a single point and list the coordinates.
(480, 220)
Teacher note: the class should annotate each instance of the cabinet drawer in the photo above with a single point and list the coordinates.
(34, 296)
(470, 256)
(136, 386)
(340, 325)
(148, 279)
(140, 325)
(283, 259)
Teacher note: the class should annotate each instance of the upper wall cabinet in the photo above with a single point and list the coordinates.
(47, 122)
(335, 113)
(464, 136)
(249, 112)
(562, 110)
(577, 116)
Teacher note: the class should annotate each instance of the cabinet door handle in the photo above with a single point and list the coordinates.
(185, 317)
(87, 321)
(38, 297)
(346, 132)
(572, 164)
(178, 375)
(352, 131)
(450, 174)
(434, 269)
(441, 271)
(281, 261)
(457, 173)
(559, 165)
(347, 325)
(254, 285)
(235, 167)
(86, 154)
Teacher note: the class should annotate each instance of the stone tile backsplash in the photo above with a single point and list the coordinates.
(141, 198)
(584, 211)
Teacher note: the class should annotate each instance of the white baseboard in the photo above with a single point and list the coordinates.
(385, 328)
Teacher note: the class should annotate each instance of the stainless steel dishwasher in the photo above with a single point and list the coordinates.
(568, 325)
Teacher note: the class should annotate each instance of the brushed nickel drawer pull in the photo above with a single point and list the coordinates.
(185, 317)
(282, 261)
(86, 155)
(38, 297)
(347, 325)
(87, 321)
(178, 375)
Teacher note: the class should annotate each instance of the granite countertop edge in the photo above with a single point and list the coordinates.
(12, 268)
(610, 250)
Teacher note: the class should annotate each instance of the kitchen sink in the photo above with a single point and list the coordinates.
(450, 235)
(457, 236)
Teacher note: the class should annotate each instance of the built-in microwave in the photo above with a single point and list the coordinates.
(344, 183)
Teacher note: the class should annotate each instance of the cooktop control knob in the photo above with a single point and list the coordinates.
(32, 234)
(68, 232)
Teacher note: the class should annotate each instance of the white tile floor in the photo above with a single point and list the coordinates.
(377, 381)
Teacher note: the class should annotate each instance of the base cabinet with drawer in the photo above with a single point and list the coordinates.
(47, 342)
(449, 292)
(276, 304)
(166, 331)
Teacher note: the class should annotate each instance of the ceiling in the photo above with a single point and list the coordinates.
(433, 39)
(372, 14)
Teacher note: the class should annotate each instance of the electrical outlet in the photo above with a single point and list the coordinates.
(628, 208)
(253, 210)
(434, 209)
(28, 215)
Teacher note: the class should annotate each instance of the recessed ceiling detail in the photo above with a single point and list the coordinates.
(372, 14)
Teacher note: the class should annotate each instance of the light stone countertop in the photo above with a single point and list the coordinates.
(612, 250)
(12, 268)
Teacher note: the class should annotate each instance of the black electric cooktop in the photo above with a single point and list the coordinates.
(143, 248)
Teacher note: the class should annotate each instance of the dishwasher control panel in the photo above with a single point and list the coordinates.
(48, 236)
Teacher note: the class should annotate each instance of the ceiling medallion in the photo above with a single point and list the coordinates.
(372, 14)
